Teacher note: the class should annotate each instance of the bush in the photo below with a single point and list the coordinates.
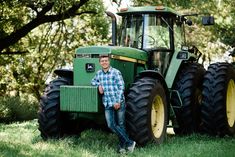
(15, 109)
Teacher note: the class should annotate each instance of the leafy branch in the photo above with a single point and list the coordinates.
(41, 18)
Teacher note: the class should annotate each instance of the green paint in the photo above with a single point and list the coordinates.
(81, 76)
(114, 50)
(127, 70)
(130, 52)
(140, 68)
(73, 98)
(94, 50)
(79, 99)
(174, 68)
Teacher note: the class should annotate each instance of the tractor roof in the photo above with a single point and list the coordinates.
(148, 9)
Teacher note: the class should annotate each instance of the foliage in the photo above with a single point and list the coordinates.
(15, 109)
(22, 139)
(31, 14)
(48, 46)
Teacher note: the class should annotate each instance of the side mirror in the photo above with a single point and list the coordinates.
(208, 20)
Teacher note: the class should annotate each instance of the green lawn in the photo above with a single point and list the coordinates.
(23, 139)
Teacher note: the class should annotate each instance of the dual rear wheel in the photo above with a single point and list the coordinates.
(188, 84)
(208, 99)
(218, 101)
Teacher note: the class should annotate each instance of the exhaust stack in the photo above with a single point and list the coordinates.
(114, 27)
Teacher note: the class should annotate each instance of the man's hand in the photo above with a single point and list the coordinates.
(117, 106)
(101, 90)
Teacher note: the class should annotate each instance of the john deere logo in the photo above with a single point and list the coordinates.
(90, 67)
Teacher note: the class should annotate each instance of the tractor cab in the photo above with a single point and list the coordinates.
(156, 30)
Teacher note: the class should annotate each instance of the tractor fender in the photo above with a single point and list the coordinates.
(67, 73)
(157, 75)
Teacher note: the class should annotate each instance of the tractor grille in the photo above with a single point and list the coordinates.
(79, 99)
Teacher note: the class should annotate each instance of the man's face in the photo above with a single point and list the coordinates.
(104, 62)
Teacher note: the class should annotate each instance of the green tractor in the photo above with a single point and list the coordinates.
(163, 79)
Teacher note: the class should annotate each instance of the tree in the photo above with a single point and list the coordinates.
(48, 45)
(37, 13)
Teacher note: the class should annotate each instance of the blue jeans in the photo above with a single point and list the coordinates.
(116, 122)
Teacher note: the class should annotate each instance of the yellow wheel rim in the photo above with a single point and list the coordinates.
(230, 103)
(157, 116)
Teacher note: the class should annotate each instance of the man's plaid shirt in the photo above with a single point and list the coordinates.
(113, 86)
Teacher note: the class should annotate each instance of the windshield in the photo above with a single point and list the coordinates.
(157, 32)
(132, 28)
(155, 35)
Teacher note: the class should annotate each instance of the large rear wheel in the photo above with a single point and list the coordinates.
(218, 101)
(147, 111)
(189, 86)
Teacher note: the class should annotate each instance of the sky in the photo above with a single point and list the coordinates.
(112, 7)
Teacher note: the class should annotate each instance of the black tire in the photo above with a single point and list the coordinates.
(144, 92)
(189, 85)
(218, 101)
(52, 122)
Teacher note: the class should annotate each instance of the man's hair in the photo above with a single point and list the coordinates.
(103, 56)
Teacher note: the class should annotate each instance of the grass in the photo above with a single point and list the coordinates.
(23, 139)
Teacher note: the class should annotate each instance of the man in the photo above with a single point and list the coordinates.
(110, 83)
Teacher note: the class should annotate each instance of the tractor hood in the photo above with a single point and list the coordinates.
(113, 51)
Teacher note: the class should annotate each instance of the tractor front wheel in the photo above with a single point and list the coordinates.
(52, 122)
(147, 111)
